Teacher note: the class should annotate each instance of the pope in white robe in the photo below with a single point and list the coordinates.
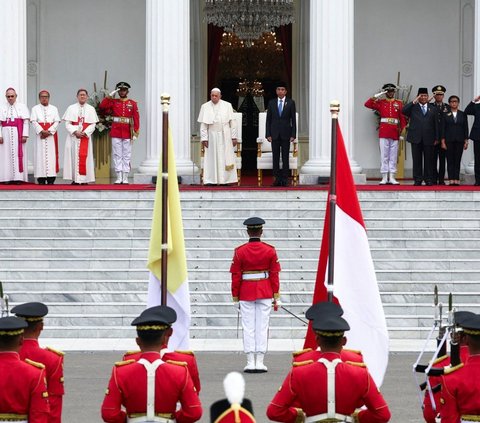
(45, 120)
(80, 120)
(218, 134)
(14, 127)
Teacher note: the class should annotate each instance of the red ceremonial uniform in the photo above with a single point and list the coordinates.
(309, 354)
(461, 393)
(306, 386)
(53, 362)
(182, 356)
(128, 388)
(428, 414)
(23, 391)
(255, 257)
(121, 108)
(388, 109)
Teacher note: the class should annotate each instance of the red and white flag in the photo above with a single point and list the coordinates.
(355, 285)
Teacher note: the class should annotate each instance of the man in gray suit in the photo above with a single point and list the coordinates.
(281, 130)
(423, 135)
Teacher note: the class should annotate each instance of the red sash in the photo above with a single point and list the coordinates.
(17, 123)
(45, 126)
(83, 150)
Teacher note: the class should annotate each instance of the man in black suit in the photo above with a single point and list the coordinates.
(281, 130)
(423, 135)
(440, 154)
(474, 109)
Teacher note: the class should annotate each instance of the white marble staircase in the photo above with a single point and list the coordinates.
(84, 254)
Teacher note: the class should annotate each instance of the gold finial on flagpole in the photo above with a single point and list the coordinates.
(165, 101)
(334, 108)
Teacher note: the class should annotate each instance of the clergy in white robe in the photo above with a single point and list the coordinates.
(45, 120)
(14, 126)
(218, 134)
(80, 120)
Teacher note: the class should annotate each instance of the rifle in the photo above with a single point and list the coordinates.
(3, 302)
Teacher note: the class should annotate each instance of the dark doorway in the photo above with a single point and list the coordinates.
(247, 77)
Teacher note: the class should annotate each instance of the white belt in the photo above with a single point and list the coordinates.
(13, 420)
(324, 416)
(121, 119)
(255, 276)
(393, 121)
(143, 419)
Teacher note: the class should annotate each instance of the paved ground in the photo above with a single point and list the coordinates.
(87, 373)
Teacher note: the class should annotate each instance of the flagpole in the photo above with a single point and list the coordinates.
(165, 103)
(332, 198)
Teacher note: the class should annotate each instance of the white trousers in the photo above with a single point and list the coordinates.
(121, 153)
(255, 319)
(388, 155)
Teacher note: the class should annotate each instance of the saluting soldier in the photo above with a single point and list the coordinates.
(150, 388)
(318, 311)
(255, 281)
(125, 128)
(33, 313)
(329, 389)
(392, 123)
(460, 388)
(23, 391)
(440, 153)
(166, 354)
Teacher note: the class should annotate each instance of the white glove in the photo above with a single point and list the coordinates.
(114, 92)
(236, 306)
(401, 139)
(379, 94)
(278, 302)
(134, 138)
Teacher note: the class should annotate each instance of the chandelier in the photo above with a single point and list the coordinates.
(249, 19)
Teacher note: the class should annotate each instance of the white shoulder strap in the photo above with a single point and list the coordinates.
(330, 365)
(151, 368)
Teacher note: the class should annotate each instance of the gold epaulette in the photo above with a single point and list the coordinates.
(124, 362)
(353, 351)
(439, 359)
(305, 350)
(35, 363)
(178, 363)
(185, 352)
(302, 363)
(354, 363)
(131, 352)
(58, 352)
(448, 370)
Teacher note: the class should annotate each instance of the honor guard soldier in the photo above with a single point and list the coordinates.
(23, 392)
(165, 354)
(316, 312)
(460, 389)
(125, 128)
(440, 154)
(33, 313)
(392, 123)
(255, 281)
(235, 408)
(150, 388)
(328, 390)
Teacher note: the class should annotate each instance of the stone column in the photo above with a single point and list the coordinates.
(331, 78)
(13, 48)
(168, 71)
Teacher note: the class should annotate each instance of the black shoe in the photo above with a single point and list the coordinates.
(429, 184)
(277, 183)
(476, 184)
(74, 183)
(417, 184)
(441, 183)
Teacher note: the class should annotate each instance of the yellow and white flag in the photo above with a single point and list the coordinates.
(178, 295)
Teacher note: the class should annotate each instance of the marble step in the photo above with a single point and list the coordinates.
(71, 241)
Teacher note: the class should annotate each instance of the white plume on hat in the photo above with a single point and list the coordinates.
(234, 386)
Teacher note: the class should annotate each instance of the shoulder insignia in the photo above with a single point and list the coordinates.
(448, 370)
(178, 363)
(266, 243)
(58, 352)
(44, 394)
(302, 363)
(354, 351)
(439, 359)
(305, 350)
(354, 363)
(131, 352)
(35, 363)
(185, 352)
(124, 362)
